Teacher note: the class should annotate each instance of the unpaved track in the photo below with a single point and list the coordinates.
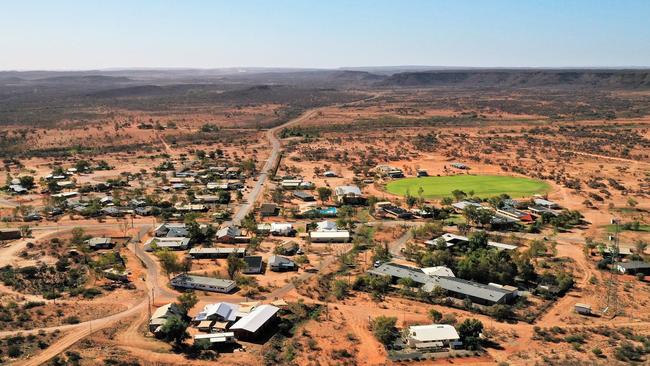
(84, 329)
(81, 330)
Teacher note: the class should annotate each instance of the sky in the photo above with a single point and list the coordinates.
(93, 34)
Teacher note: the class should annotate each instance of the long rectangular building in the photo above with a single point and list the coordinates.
(477, 292)
(211, 284)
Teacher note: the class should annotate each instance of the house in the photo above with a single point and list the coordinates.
(304, 196)
(191, 282)
(172, 230)
(196, 207)
(106, 200)
(253, 264)
(253, 325)
(17, 189)
(296, 184)
(144, 211)
(453, 239)
(515, 214)
(160, 316)
(477, 292)
(34, 216)
(545, 203)
(10, 234)
(540, 210)
(281, 264)
(167, 243)
(269, 209)
(66, 184)
(621, 252)
(228, 234)
(633, 267)
(326, 226)
(397, 212)
(332, 236)
(100, 243)
(282, 229)
(460, 206)
(197, 253)
(116, 275)
(112, 211)
(583, 309)
(327, 232)
(221, 311)
(65, 194)
(348, 195)
(431, 336)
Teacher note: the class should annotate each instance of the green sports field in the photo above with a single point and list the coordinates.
(482, 185)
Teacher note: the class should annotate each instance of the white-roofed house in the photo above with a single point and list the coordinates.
(431, 336)
(221, 311)
(348, 195)
(328, 232)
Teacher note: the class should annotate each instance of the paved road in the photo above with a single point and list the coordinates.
(271, 162)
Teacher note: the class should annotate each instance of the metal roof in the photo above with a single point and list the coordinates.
(256, 319)
(347, 190)
(223, 310)
(433, 333)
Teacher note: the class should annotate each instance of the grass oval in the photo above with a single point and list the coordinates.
(482, 185)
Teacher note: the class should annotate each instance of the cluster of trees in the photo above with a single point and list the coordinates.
(385, 330)
(174, 330)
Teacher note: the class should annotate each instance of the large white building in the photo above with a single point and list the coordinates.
(431, 336)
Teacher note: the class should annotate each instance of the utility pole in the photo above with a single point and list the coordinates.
(611, 306)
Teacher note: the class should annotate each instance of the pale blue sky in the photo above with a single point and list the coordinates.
(83, 34)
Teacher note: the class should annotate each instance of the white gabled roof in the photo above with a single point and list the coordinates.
(326, 226)
(347, 190)
(433, 333)
(225, 310)
(256, 319)
(276, 226)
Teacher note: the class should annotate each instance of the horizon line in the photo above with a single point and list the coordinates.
(343, 68)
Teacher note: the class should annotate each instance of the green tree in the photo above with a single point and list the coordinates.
(235, 264)
(435, 315)
(383, 328)
(27, 181)
(469, 331)
(340, 289)
(175, 330)
(324, 194)
(169, 262)
(186, 301)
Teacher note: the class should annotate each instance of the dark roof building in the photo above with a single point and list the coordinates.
(280, 264)
(477, 292)
(633, 267)
(254, 264)
(304, 196)
(269, 209)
